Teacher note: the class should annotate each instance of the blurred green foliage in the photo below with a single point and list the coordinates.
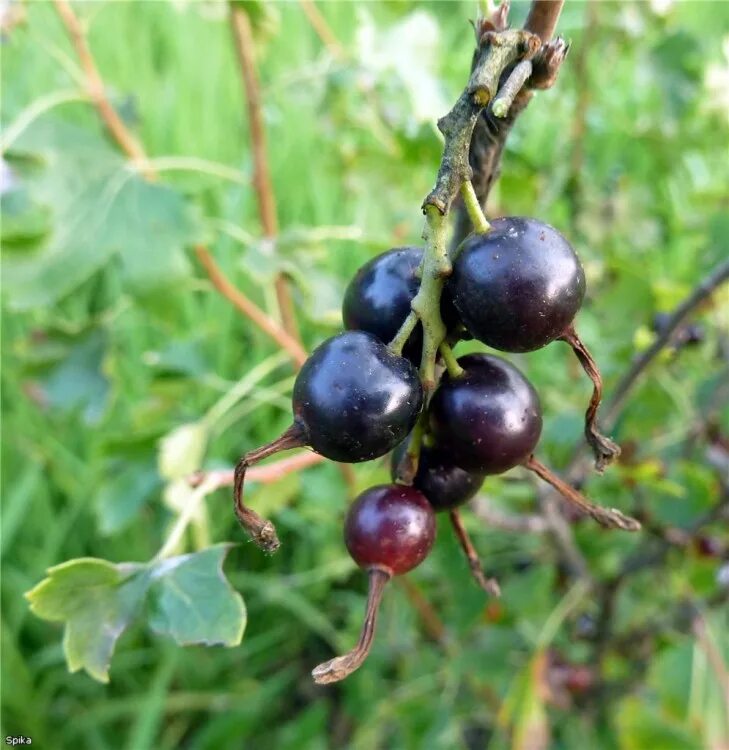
(122, 368)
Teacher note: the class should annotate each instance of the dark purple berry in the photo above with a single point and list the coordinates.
(390, 526)
(444, 484)
(354, 399)
(489, 419)
(378, 298)
(519, 286)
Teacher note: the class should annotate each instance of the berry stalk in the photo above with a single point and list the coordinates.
(473, 207)
(489, 585)
(340, 667)
(604, 449)
(262, 532)
(451, 363)
(610, 518)
(407, 467)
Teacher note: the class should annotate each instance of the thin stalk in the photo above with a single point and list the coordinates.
(473, 207)
(340, 667)
(451, 363)
(263, 186)
(507, 93)
(402, 336)
(262, 532)
(408, 466)
(489, 585)
(610, 518)
(249, 309)
(604, 449)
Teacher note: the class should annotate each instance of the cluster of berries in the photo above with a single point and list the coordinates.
(515, 288)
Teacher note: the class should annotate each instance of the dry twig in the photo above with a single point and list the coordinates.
(95, 87)
(243, 38)
(249, 309)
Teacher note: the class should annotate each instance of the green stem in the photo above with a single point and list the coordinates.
(402, 336)
(436, 268)
(186, 517)
(451, 363)
(496, 52)
(473, 208)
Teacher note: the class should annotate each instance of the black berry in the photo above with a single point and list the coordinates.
(354, 400)
(444, 484)
(378, 298)
(519, 286)
(489, 419)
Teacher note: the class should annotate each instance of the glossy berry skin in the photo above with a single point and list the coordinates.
(354, 400)
(377, 299)
(444, 484)
(390, 526)
(489, 419)
(519, 286)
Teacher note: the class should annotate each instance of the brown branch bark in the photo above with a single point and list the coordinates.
(543, 17)
(490, 133)
(95, 87)
(243, 38)
(250, 310)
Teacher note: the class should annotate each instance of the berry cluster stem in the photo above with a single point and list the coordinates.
(473, 208)
(451, 363)
(426, 304)
(497, 51)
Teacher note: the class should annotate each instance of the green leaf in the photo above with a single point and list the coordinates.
(79, 382)
(194, 603)
(101, 209)
(128, 485)
(24, 223)
(97, 600)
